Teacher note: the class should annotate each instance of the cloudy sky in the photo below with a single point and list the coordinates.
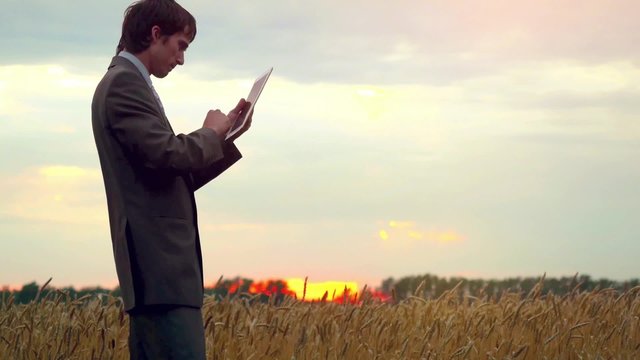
(482, 138)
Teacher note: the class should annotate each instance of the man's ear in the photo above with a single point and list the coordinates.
(155, 33)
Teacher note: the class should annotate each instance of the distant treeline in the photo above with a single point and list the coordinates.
(426, 286)
(224, 287)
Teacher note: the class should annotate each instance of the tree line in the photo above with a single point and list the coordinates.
(426, 286)
(224, 287)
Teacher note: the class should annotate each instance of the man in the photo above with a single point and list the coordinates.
(150, 176)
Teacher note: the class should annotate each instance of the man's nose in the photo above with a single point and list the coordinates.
(180, 59)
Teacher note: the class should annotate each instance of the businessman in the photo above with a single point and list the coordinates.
(150, 176)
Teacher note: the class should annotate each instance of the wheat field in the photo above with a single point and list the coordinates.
(602, 324)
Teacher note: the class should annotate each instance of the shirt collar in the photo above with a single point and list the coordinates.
(138, 64)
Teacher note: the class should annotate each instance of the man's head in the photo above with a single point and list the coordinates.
(161, 29)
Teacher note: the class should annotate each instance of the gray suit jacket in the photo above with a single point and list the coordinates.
(150, 175)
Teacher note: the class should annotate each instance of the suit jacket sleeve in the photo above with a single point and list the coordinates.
(135, 121)
(203, 176)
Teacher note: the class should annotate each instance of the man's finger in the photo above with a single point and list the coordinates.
(235, 112)
(240, 106)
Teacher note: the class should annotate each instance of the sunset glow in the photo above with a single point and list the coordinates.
(56, 70)
(401, 224)
(444, 237)
(301, 289)
(409, 232)
(66, 172)
(317, 290)
(368, 92)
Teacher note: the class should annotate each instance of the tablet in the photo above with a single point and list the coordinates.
(240, 122)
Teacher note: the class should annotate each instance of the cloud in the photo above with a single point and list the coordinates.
(361, 150)
(35, 92)
(233, 227)
(402, 224)
(408, 42)
(351, 132)
(55, 193)
(407, 233)
(45, 32)
(434, 42)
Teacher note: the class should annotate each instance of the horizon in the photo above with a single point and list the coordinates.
(463, 138)
(334, 283)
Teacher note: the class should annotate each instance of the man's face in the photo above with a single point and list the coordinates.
(167, 52)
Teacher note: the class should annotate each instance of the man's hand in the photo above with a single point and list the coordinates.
(240, 109)
(247, 125)
(218, 122)
(235, 113)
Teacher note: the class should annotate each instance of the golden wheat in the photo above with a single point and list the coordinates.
(602, 324)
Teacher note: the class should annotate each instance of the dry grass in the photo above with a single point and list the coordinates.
(602, 324)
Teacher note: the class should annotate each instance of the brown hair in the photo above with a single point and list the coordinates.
(143, 15)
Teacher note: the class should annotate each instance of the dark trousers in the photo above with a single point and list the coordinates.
(166, 332)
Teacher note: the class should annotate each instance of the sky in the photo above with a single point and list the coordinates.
(476, 138)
